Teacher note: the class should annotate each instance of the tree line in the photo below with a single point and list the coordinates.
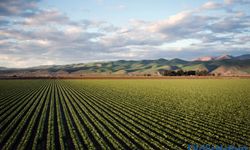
(184, 73)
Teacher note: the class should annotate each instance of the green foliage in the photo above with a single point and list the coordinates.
(123, 114)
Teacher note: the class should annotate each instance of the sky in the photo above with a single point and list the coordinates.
(48, 32)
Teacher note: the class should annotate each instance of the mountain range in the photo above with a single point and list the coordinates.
(225, 65)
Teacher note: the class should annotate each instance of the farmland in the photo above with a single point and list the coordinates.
(124, 114)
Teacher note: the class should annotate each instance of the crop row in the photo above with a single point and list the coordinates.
(66, 114)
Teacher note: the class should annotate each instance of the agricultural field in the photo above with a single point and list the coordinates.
(124, 114)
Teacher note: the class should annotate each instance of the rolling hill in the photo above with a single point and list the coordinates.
(224, 65)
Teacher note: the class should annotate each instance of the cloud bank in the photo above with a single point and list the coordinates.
(31, 35)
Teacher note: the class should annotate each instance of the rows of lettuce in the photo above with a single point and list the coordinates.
(110, 114)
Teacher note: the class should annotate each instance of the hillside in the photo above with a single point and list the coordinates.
(222, 65)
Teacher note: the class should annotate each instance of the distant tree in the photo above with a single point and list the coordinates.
(171, 73)
(180, 72)
(191, 73)
(202, 73)
(183, 73)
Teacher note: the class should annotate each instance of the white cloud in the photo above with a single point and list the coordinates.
(70, 30)
(46, 17)
(51, 37)
(42, 43)
(172, 20)
(211, 5)
(230, 2)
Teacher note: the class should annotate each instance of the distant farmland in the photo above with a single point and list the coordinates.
(124, 114)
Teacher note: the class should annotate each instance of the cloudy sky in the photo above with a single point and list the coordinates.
(46, 32)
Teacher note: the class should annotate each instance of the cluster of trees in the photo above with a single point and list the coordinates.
(183, 73)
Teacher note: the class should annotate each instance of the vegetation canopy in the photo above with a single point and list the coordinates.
(123, 114)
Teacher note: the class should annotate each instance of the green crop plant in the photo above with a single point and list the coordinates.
(124, 114)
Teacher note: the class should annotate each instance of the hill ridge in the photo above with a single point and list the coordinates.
(226, 65)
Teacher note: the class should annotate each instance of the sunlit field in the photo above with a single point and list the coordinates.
(124, 114)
